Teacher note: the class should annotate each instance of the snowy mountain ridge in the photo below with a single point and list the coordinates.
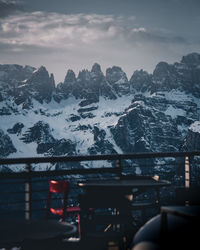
(95, 113)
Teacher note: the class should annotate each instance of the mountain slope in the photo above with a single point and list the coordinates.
(97, 114)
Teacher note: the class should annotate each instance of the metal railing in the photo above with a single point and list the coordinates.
(122, 163)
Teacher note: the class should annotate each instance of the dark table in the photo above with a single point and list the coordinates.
(119, 192)
(123, 186)
(14, 232)
(116, 194)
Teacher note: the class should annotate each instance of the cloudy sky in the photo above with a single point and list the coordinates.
(74, 34)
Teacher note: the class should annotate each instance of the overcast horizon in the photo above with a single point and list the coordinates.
(69, 34)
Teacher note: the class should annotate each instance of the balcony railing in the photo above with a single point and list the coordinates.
(25, 191)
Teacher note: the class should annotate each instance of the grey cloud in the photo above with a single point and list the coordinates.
(77, 40)
(162, 37)
(26, 49)
(8, 7)
(53, 30)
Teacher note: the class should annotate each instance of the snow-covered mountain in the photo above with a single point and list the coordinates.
(93, 113)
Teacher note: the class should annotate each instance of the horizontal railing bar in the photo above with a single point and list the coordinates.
(12, 192)
(46, 179)
(38, 209)
(39, 190)
(40, 200)
(12, 182)
(14, 175)
(11, 202)
(23, 192)
(155, 165)
(55, 159)
(11, 212)
(23, 201)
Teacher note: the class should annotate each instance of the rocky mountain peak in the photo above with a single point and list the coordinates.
(70, 77)
(114, 74)
(96, 68)
(29, 68)
(38, 76)
(66, 88)
(12, 73)
(42, 83)
(96, 73)
(84, 75)
(42, 69)
(162, 70)
(52, 81)
(192, 59)
(140, 80)
(117, 78)
(165, 77)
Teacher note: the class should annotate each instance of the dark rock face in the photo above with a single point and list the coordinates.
(24, 83)
(192, 140)
(101, 145)
(183, 76)
(6, 145)
(58, 147)
(83, 127)
(82, 110)
(87, 115)
(5, 111)
(88, 86)
(118, 80)
(13, 73)
(145, 128)
(69, 79)
(42, 83)
(66, 88)
(12, 76)
(74, 118)
(191, 60)
(164, 77)
(16, 129)
(47, 144)
(100, 82)
(141, 81)
(40, 132)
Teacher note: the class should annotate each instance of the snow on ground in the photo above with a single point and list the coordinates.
(174, 112)
(195, 127)
(175, 95)
(57, 116)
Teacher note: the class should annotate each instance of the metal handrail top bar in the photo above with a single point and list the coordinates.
(54, 173)
(79, 158)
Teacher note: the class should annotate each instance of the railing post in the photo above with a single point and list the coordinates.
(119, 167)
(28, 193)
(187, 172)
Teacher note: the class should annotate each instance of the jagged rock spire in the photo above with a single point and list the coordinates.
(42, 83)
(70, 77)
